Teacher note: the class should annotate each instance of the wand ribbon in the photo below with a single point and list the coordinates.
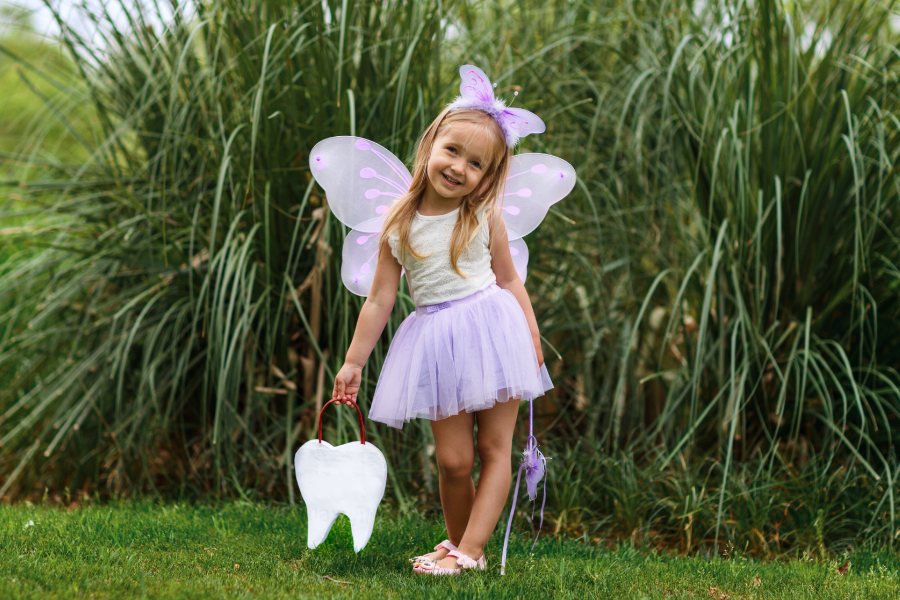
(535, 465)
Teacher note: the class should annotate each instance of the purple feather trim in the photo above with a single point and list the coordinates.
(494, 108)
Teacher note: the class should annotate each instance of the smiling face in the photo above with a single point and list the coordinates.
(459, 159)
(462, 161)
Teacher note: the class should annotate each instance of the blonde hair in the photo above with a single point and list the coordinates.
(403, 211)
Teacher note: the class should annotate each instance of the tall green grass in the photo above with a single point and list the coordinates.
(787, 124)
(717, 296)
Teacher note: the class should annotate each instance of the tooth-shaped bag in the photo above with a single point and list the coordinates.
(348, 479)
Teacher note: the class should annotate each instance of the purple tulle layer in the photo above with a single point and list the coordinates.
(464, 358)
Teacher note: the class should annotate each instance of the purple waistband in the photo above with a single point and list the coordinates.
(433, 308)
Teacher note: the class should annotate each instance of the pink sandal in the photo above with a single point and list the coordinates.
(429, 558)
(465, 563)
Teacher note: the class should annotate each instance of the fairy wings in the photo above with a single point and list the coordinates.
(361, 179)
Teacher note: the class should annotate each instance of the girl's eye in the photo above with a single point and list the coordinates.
(476, 164)
(451, 149)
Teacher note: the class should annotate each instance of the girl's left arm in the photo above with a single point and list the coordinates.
(508, 279)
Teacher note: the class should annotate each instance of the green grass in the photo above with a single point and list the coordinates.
(144, 550)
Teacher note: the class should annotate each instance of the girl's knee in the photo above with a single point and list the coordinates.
(491, 450)
(456, 464)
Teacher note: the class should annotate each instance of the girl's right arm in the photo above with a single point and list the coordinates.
(372, 319)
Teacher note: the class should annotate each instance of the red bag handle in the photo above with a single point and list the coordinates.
(362, 427)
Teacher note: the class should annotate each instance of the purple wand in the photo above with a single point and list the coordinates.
(535, 465)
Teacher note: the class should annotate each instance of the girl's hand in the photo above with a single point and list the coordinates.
(346, 384)
(540, 353)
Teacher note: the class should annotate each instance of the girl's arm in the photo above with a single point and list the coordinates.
(508, 279)
(372, 318)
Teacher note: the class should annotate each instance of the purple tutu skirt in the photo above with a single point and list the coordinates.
(459, 356)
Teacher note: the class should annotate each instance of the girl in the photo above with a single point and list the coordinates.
(471, 350)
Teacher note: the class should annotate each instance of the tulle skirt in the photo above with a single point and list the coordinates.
(459, 356)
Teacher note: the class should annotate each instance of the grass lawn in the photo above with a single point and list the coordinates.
(145, 550)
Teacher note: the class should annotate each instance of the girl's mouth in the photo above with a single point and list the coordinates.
(450, 181)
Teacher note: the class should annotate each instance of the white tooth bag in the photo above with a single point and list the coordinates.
(348, 479)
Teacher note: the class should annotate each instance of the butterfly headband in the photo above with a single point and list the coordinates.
(476, 92)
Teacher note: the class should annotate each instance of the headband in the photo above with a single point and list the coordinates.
(477, 92)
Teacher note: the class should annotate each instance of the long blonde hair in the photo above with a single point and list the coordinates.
(403, 211)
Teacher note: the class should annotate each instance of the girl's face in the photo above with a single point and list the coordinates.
(459, 159)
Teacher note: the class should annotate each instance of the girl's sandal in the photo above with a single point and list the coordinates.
(429, 558)
(465, 563)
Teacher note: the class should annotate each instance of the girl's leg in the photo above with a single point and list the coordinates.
(455, 450)
(495, 433)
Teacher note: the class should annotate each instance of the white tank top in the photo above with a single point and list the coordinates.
(432, 279)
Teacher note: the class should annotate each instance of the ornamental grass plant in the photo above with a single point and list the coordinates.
(718, 296)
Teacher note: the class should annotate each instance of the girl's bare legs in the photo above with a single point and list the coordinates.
(455, 449)
(495, 433)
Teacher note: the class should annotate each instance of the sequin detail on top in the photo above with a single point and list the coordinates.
(432, 279)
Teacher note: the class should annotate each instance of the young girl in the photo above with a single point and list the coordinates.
(471, 350)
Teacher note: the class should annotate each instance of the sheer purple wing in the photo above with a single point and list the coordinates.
(475, 84)
(359, 257)
(535, 182)
(519, 250)
(522, 122)
(361, 179)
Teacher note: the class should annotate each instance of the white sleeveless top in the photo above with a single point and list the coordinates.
(432, 279)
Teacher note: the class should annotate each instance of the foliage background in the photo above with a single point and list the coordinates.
(718, 296)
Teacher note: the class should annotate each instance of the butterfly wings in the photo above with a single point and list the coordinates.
(362, 179)
(358, 260)
(519, 251)
(535, 183)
